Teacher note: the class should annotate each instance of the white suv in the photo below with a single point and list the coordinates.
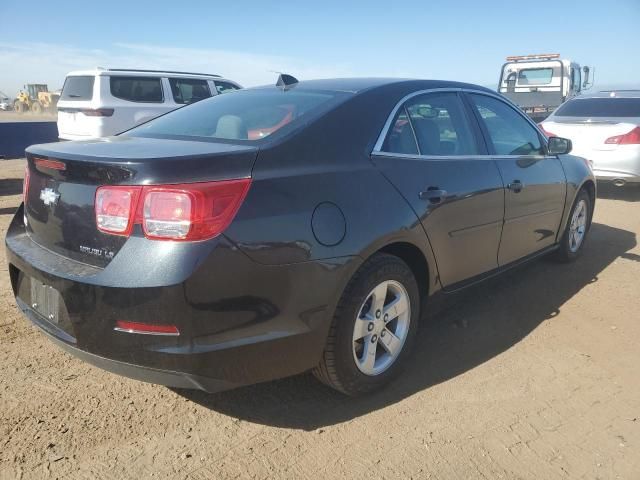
(102, 102)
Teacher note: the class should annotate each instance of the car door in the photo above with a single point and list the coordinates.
(535, 182)
(433, 154)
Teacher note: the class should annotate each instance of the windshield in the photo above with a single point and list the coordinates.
(600, 107)
(247, 115)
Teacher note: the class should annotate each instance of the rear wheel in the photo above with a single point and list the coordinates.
(373, 328)
(36, 107)
(575, 233)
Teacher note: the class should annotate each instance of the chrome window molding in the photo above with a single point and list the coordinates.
(377, 148)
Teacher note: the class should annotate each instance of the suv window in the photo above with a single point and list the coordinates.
(509, 132)
(77, 88)
(437, 122)
(189, 90)
(137, 89)
(223, 87)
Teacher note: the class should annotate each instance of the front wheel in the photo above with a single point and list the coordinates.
(373, 328)
(575, 233)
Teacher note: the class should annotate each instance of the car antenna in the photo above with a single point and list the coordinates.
(286, 81)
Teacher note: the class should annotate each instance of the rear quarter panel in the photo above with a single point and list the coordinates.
(579, 176)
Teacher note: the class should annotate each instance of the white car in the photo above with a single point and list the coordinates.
(605, 129)
(103, 102)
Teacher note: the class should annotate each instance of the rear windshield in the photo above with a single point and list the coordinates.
(77, 88)
(600, 107)
(247, 115)
(535, 76)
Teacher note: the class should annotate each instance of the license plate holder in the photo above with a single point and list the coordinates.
(45, 300)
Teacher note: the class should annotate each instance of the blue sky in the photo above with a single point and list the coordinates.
(458, 40)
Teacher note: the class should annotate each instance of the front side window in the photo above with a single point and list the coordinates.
(224, 87)
(509, 132)
(137, 89)
(246, 115)
(437, 123)
(535, 76)
(78, 88)
(189, 90)
(576, 79)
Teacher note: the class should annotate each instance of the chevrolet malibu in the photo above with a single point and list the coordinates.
(288, 228)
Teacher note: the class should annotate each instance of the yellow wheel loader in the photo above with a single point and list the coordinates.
(36, 98)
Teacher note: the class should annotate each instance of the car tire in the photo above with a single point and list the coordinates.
(575, 233)
(356, 366)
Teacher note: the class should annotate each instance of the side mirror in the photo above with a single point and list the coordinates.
(559, 146)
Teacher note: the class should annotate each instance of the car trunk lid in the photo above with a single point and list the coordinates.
(64, 177)
(588, 135)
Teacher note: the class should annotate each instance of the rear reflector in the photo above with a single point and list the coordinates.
(98, 112)
(630, 138)
(146, 328)
(47, 163)
(188, 212)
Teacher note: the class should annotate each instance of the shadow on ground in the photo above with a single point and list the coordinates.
(459, 332)
(628, 193)
(10, 186)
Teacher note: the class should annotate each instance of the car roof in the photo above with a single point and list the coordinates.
(610, 94)
(141, 73)
(357, 84)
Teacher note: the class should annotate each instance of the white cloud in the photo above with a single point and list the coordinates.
(49, 63)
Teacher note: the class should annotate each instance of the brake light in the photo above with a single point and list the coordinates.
(97, 112)
(25, 184)
(115, 208)
(191, 212)
(47, 163)
(547, 133)
(629, 138)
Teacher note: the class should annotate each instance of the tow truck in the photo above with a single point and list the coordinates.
(540, 83)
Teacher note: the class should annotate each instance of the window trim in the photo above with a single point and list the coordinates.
(377, 148)
(162, 100)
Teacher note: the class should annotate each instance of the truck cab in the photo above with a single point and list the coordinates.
(540, 83)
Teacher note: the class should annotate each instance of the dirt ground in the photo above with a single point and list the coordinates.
(27, 117)
(534, 375)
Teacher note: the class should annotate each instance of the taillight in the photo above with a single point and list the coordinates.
(547, 133)
(97, 112)
(47, 163)
(192, 211)
(115, 208)
(629, 138)
(146, 328)
(25, 184)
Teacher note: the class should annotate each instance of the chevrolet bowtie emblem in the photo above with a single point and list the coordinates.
(49, 197)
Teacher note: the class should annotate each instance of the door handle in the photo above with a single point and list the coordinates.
(433, 194)
(515, 186)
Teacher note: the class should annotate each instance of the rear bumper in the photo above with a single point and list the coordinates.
(240, 322)
(623, 163)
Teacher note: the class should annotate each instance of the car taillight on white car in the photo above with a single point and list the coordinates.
(186, 212)
(629, 138)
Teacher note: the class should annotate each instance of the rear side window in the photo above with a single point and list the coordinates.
(137, 89)
(437, 123)
(189, 90)
(600, 107)
(509, 132)
(78, 88)
(247, 115)
(224, 87)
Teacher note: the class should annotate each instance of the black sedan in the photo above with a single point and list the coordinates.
(275, 230)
